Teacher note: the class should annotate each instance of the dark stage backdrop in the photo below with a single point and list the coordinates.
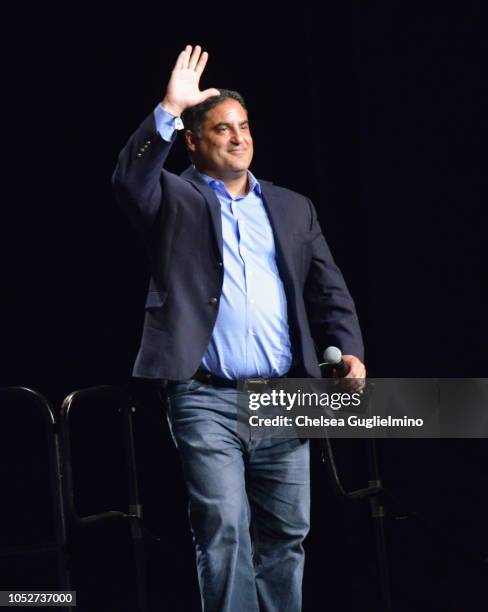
(386, 108)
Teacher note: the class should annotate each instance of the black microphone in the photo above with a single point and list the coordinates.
(333, 360)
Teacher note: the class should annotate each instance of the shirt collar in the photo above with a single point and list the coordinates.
(254, 184)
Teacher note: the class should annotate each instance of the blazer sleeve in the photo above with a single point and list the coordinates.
(136, 180)
(330, 307)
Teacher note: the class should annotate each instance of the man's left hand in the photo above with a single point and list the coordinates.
(356, 371)
(355, 366)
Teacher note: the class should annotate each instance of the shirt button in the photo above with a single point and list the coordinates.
(214, 301)
(251, 301)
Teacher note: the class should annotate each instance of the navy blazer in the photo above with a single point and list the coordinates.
(180, 219)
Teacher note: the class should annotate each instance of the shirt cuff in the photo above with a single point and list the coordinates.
(166, 123)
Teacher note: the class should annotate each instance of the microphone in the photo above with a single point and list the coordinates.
(333, 359)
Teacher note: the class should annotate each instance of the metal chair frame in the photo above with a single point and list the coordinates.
(59, 546)
(127, 409)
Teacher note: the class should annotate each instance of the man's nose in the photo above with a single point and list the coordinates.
(236, 136)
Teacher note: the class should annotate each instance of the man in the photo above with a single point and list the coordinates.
(242, 285)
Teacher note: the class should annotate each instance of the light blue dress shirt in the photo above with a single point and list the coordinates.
(251, 335)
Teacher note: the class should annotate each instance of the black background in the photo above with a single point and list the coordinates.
(379, 115)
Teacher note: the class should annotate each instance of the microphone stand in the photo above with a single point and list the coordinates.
(372, 492)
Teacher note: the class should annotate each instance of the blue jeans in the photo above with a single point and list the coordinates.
(249, 503)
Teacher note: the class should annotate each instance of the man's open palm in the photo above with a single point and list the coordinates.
(183, 87)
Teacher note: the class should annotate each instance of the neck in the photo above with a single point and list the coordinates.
(236, 184)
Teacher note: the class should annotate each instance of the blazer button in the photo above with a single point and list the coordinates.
(220, 265)
(214, 301)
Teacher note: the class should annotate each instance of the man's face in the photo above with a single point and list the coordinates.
(223, 147)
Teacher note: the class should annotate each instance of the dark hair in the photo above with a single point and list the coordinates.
(194, 115)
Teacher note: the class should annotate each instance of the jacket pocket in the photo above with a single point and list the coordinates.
(155, 299)
(305, 237)
(303, 253)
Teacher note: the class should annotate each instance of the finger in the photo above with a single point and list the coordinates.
(359, 384)
(356, 372)
(195, 56)
(180, 61)
(209, 93)
(202, 62)
(186, 57)
(355, 383)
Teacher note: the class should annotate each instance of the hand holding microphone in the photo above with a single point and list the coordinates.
(344, 366)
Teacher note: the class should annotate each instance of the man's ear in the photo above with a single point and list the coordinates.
(190, 140)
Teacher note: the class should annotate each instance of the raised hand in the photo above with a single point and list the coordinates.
(183, 90)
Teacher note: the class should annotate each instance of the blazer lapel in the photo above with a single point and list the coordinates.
(274, 207)
(191, 175)
(281, 227)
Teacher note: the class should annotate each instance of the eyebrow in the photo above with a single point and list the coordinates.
(224, 123)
